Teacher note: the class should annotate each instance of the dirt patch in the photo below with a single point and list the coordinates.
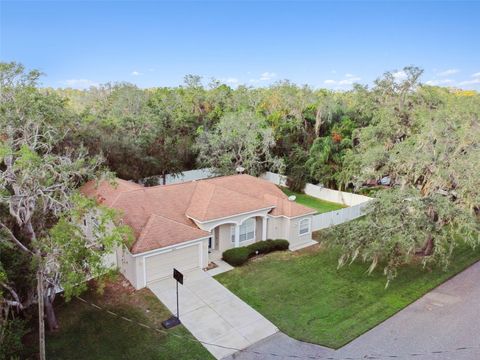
(118, 293)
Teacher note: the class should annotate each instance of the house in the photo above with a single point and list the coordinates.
(190, 224)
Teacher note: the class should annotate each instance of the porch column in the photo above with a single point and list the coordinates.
(237, 235)
(264, 228)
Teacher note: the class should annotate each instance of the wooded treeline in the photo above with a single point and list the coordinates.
(423, 142)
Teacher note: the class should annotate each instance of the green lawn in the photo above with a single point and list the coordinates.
(88, 333)
(305, 295)
(321, 206)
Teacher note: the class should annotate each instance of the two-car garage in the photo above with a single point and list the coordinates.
(184, 258)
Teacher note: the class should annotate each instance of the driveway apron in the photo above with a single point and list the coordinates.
(213, 314)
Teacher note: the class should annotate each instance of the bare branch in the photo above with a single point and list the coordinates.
(14, 239)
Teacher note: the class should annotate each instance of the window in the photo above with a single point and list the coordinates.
(304, 226)
(247, 230)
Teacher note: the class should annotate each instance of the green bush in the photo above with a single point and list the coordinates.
(236, 256)
(281, 244)
(263, 247)
(239, 256)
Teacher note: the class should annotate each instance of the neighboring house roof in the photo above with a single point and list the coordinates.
(161, 215)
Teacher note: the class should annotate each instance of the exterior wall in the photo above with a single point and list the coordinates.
(258, 228)
(110, 260)
(223, 234)
(276, 228)
(204, 254)
(224, 240)
(294, 237)
(131, 267)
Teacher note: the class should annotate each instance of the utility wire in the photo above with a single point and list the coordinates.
(290, 356)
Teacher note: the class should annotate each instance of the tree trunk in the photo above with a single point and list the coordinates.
(41, 315)
(429, 245)
(427, 248)
(164, 178)
(50, 313)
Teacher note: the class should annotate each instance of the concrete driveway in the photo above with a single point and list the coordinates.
(213, 314)
(442, 325)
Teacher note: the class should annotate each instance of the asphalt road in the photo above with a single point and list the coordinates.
(442, 325)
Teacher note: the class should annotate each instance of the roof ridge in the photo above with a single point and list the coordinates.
(210, 198)
(191, 199)
(145, 228)
(125, 192)
(175, 221)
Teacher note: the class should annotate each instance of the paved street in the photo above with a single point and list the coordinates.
(435, 327)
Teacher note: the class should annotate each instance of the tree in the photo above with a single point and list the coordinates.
(428, 145)
(241, 139)
(63, 234)
(327, 153)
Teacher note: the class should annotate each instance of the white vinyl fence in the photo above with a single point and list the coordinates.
(185, 176)
(356, 203)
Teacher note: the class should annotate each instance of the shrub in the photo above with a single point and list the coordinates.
(263, 247)
(281, 244)
(236, 256)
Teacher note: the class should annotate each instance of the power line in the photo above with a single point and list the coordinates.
(290, 356)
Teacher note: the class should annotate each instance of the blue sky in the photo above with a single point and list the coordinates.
(323, 44)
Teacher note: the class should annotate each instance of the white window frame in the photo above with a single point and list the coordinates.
(244, 224)
(302, 226)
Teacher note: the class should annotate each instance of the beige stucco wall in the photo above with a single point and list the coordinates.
(224, 235)
(224, 239)
(285, 228)
(204, 255)
(133, 267)
(293, 236)
(277, 228)
(130, 267)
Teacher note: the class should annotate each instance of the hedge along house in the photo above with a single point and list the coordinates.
(188, 225)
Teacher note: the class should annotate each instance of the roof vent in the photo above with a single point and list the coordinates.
(292, 198)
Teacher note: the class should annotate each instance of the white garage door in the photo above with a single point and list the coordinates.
(161, 266)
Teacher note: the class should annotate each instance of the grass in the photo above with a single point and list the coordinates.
(308, 298)
(88, 333)
(321, 206)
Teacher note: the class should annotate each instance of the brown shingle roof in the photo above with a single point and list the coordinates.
(211, 201)
(160, 215)
(160, 232)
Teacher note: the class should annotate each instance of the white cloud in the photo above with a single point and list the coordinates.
(400, 75)
(476, 75)
(470, 82)
(79, 83)
(349, 79)
(448, 72)
(136, 73)
(437, 82)
(230, 80)
(267, 76)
